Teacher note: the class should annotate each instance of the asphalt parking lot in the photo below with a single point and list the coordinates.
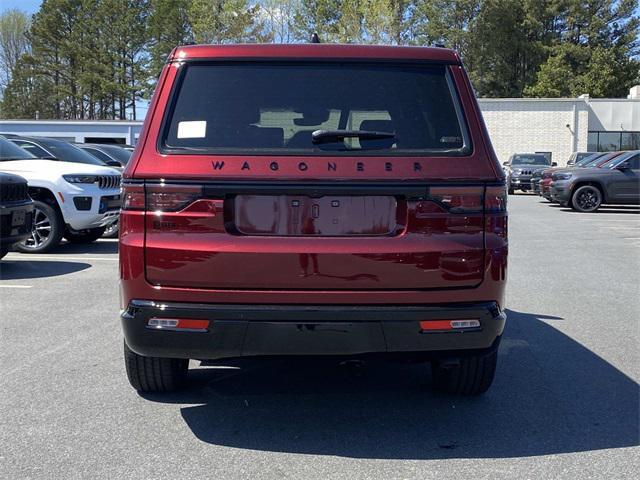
(565, 403)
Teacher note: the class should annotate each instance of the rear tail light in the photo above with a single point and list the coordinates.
(178, 324)
(440, 325)
(457, 199)
(171, 198)
(495, 199)
(132, 197)
(159, 198)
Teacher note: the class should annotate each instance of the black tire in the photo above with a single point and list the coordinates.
(3, 252)
(46, 230)
(511, 191)
(473, 375)
(112, 230)
(586, 199)
(84, 236)
(154, 374)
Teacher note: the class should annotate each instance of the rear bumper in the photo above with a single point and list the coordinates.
(10, 231)
(259, 330)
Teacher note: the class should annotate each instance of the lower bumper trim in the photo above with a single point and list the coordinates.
(274, 330)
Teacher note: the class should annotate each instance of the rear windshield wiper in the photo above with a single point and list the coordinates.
(330, 136)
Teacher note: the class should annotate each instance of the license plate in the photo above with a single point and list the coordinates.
(293, 215)
(18, 218)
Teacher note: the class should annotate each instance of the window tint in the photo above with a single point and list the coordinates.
(11, 151)
(98, 154)
(32, 148)
(68, 153)
(521, 159)
(275, 108)
(118, 153)
(634, 162)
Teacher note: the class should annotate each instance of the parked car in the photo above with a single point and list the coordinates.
(284, 223)
(54, 149)
(520, 169)
(586, 189)
(107, 153)
(576, 157)
(16, 209)
(76, 201)
(544, 185)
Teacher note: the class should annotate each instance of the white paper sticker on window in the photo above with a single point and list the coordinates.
(193, 129)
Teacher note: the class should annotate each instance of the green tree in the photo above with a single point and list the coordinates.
(596, 52)
(168, 27)
(14, 24)
(226, 21)
(28, 94)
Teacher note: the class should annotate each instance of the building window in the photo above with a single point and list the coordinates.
(611, 141)
(630, 141)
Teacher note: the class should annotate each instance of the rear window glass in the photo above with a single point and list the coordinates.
(276, 108)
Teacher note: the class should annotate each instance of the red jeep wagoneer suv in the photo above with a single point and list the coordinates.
(313, 200)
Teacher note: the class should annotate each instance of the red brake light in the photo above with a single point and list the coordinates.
(458, 199)
(495, 199)
(171, 198)
(132, 197)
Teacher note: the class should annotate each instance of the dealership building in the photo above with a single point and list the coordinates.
(560, 126)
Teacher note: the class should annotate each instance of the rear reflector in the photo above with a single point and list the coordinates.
(431, 325)
(178, 324)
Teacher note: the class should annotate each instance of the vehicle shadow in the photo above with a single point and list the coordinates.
(551, 395)
(619, 209)
(25, 268)
(97, 247)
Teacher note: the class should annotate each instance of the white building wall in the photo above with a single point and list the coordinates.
(520, 125)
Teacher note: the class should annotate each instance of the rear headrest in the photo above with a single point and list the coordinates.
(312, 116)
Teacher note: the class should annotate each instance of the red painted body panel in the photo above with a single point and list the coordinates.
(202, 254)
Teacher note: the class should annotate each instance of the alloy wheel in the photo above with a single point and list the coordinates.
(588, 199)
(40, 230)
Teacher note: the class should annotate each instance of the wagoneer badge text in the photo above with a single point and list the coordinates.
(304, 166)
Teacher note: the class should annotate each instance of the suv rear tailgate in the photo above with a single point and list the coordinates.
(384, 237)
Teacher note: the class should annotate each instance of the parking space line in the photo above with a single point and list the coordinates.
(61, 257)
(15, 286)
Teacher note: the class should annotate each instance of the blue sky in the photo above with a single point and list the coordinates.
(30, 6)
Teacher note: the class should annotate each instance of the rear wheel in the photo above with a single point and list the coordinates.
(470, 375)
(46, 230)
(511, 191)
(3, 252)
(154, 374)
(587, 198)
(84, 236)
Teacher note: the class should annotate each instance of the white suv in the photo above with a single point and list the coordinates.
(76, 201)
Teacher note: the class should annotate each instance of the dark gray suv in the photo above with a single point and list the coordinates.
(521, 167)
(585, 189)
